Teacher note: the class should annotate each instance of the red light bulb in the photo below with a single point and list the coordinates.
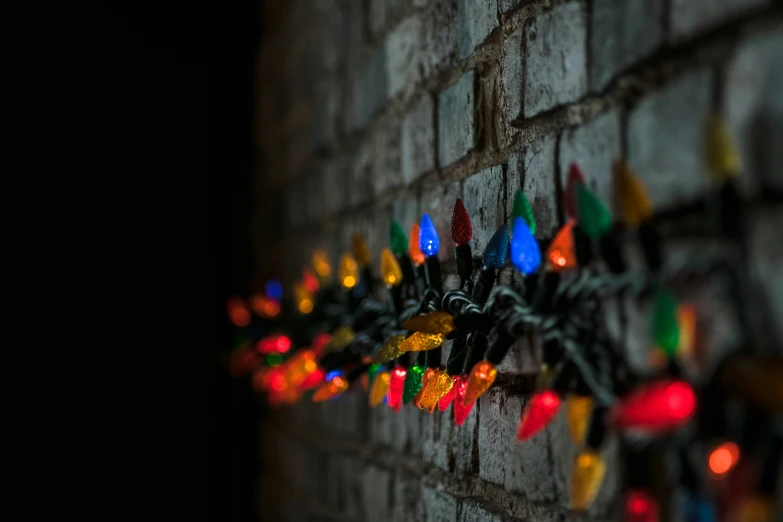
(396, 386)
(282, 344)
(539, 412)
(640, 506)
(461, 229)
(575, 177)
(238, 312)
(723, 458)
(659, 407)
(461, 411)
(310, 281)
(313, 380)
(446, 400)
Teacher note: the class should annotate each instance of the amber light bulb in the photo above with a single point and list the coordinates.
(380, 386)
(419, 342)
(303, 297)
(635, 204)
(391, 273)
(480, 379)
(438, 386)
(461, 228)
(435, 323)
(320, 262)
(561, 254)
(414, 251)
(425, 379)
(348, 271)
(396, 386)
(331, 389)
(578, 410)
(390, 350)
(539, 412)
(587, 475)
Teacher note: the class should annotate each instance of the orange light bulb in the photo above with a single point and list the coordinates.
(578, 410)
(414, 251)
(432, 323)
(561, 255)
(321, 264)
(480, 379)
(331, 389)
(425, 379)
(438, 386)
(723, 458)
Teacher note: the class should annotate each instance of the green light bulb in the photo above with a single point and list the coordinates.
(594, 218)
(412, 383)
(372, 371)
(397, 239)
(523, 209)
(665, 330)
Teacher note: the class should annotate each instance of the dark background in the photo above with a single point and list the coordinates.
(130, 140)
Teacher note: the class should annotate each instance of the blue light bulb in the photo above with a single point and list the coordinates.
(331, 375)
(274, 290)
(496, 253)
(429, 242)
(525, 254)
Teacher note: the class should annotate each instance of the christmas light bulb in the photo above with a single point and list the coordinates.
(686, 325)
(391, 274)
(461, 411)
(575, 178)
(593, 216)
(496, 252)
(397, 239)
(372, 371)
(274, 290)
(330, 389)
(461, 229)
(380, 386)
(321, 264)
(304, 299)
(445, 401)
(348, 271)
(723, 458)
(412, 383)
(640, 506)
(415, 253)
(320, 342)
(723, 159)
(539, 412)
(429, 242)
(425, 379)
(522, 209)
(299, 366)
(480, 379)
(635, 203)
(340, 338)
(525, 254)
(587, 475)
(390, 350)
(360, 250)
(419, 342)
(435, 323)
(437, 386)
(578, 410)
(310, 281)
(238, 312)
(264, 307)
(396, 387)
(665, 331)
(757, 508)
(658, 407)
(561, 255)
(313, 380)
(274, 344)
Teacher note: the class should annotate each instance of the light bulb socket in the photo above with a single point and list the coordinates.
(732, 211)
(650, 242)
(456, 360)
(473, 322)
(421, 359)
(542, 301)
(563, 382)
(483, 288)
(407, 269)
(396, 297)
(503, 343)
(477, 347)
(552, 352)
(434, 357)
(432, 272)
(464, 256)
(583, 246)
(597, 431)
(421, 279)
(611, 253)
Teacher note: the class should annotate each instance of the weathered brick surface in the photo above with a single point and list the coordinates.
(555, 58)
(387, 109)
(456, 122)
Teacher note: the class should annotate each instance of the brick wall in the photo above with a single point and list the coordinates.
(380, 109)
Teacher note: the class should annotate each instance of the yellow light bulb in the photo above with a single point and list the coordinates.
(635, 203)
(437, 386)
(330, 389)
(390, 269)
(586, 478)
(340, 339)
(380, 385)
(578, 410)
(441, 323)
(390, 350)
(756, 508)
(304, 299)
(360, 250)
(480, 379)
(723, 159)
(425, 379)
(321, 264)
(348, 271)
(419, 342)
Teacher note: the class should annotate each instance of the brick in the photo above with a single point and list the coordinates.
(456, 128)
(382, 14)
(403, 56)
(406, 504)
(438, 505)
(368, 90)
(484, 201)
(328, 39)
(412, 417)
(439, 38)
(326, 113)
(475, 21)
(505, 6)
(622, 32)
(438, 202)
(466, 441)
(533, 170)
(352, 489)
(360, 187)
(688, 17)
(766, 257)
(405, 212)
(375, 493)
(386, 157)
(555, 59)
(521, 359)
(753, 108)
(511, 73)
(593, 146)
(472, 511)
(335, 184)
(418, 139)
(666, 140)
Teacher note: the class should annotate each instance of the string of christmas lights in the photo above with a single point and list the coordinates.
(385, 336)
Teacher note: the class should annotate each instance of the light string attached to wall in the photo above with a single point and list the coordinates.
(385, 336)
